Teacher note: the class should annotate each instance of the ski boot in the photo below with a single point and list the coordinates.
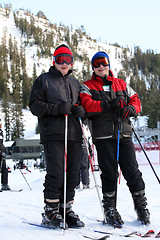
(140, 203)
(72, 219)
(118, 218)
(86, 186)
(112, 216)
(5, 187)
(51, 217)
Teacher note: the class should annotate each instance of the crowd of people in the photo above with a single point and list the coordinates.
(106, 102)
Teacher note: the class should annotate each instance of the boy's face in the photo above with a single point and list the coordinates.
(102, 71)
(63, 68)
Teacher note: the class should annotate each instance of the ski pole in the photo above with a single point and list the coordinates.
(118, 140)
(25, 179)
(120, 172)
(65, 167)
(144, 152)
(89, 156)
(22, 173)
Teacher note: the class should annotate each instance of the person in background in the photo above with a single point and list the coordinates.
(109, 103)
(55, 94)
(84, 167)
(3, 167)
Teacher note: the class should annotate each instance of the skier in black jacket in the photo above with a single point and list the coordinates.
(53, 95)
(3, 167)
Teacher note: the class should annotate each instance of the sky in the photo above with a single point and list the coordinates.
(128, 23)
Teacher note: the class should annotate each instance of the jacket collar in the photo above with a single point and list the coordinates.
(107, 80)
(53, 70)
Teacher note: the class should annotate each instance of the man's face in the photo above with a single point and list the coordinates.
(63, 68)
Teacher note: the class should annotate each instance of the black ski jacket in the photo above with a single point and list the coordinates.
(48, 92)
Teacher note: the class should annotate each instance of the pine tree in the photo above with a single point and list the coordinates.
(17, 114)
(6, 106)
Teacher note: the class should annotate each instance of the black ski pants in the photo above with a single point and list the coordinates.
(84, 167)
(4, 171)
(107, 159)
(54, 179)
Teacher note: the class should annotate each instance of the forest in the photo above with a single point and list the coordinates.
(143, 69)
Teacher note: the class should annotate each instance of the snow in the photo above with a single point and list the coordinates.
(18, 207)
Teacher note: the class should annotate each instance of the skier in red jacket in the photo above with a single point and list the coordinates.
(109, 102)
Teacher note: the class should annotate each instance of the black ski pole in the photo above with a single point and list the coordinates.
(145, 152)
(118, 139)
(22, 173)
(25, 178)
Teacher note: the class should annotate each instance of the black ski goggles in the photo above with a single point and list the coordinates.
(63, 58)
(100, 61)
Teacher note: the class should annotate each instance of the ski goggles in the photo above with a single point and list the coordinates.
(63, 58)
(100, 61)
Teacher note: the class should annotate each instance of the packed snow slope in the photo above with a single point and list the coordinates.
(27, 205)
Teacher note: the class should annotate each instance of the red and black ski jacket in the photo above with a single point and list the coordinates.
(105, 124)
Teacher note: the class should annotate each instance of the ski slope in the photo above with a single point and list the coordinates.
(27, 205)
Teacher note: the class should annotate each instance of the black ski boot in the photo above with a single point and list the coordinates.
(112, 216)
(118, 218)
(51, 217)
(140, 203)
(72, 219)
(5, 187)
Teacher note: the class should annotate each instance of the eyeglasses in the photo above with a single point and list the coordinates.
(64, 58)
(100, 61)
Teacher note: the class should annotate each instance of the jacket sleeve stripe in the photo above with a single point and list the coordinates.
(90, 105)
(85, 89)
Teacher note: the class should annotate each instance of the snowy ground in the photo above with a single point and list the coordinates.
(17, 207)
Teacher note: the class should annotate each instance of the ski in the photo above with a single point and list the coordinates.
(70, 229)
(150, 233)
(121, 235)
(130, 234)
(116, 225)
(158, 235)
(12, 190)
(96, 238)
(51, 227)
(39, 225)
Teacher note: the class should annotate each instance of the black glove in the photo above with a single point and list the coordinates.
(65, 108)
(78, 111)
(105, 105)
(128, 111)
(117, 103)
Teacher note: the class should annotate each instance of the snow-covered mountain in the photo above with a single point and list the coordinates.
(86, 46)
